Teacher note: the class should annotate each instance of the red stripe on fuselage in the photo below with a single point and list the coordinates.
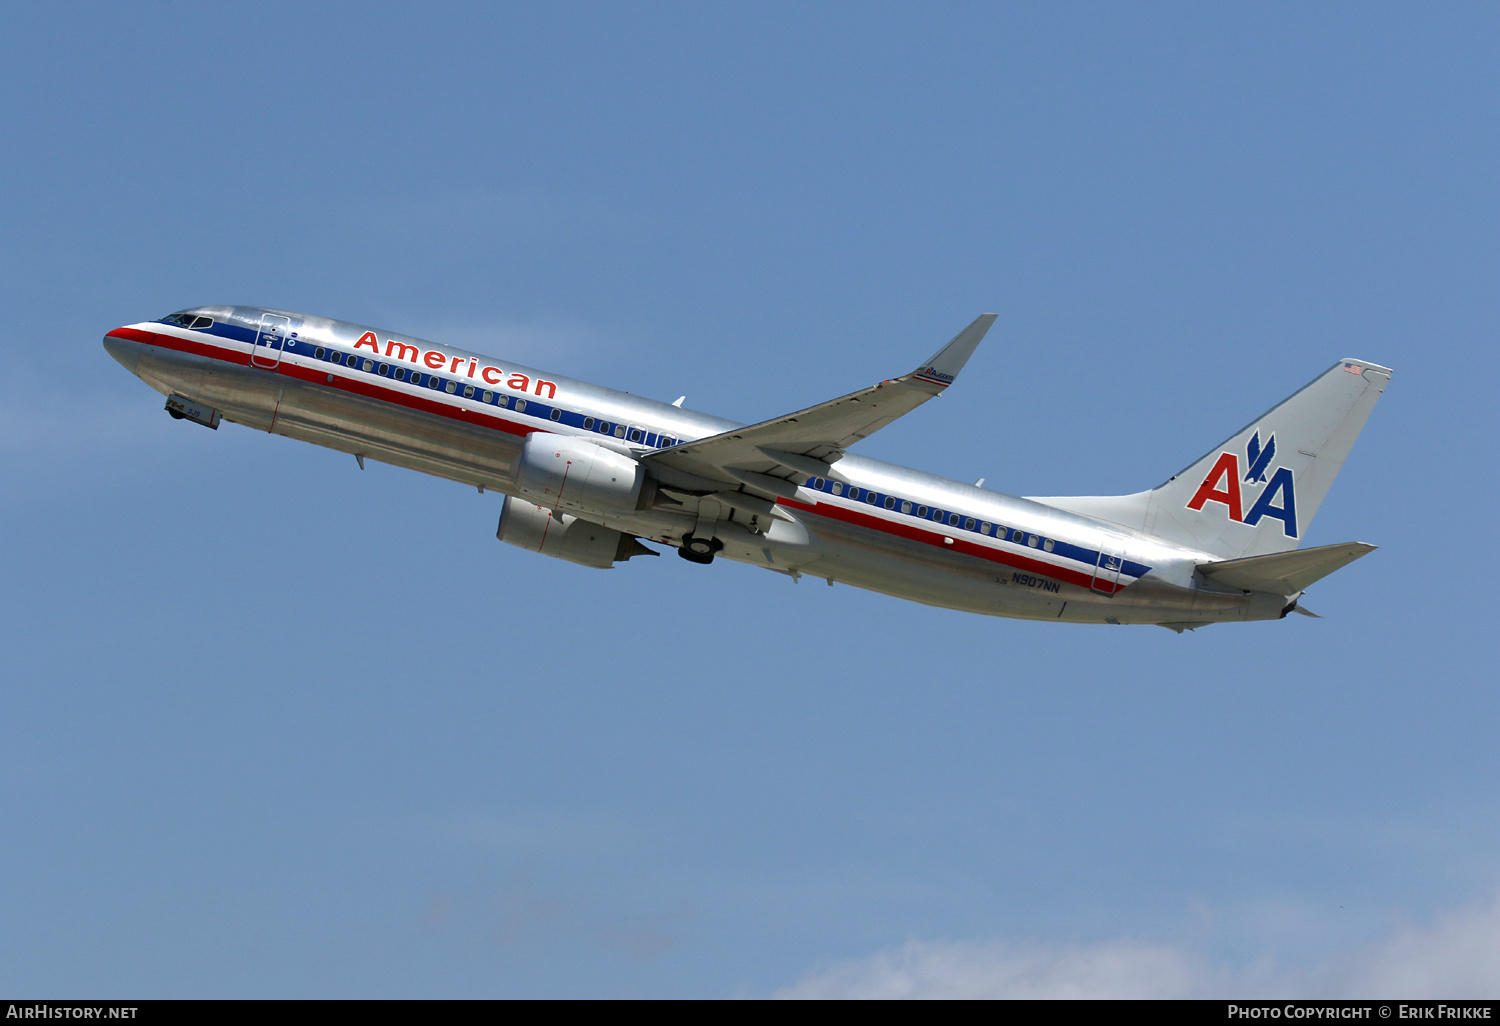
(859, 518)
(318, 376)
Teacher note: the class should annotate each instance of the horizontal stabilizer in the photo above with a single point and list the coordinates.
(1284, 573)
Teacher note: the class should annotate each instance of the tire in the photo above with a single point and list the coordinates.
(699, 550)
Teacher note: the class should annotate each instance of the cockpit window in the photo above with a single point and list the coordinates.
(185, 319)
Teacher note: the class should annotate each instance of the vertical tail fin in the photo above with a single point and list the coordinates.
(1258, 491)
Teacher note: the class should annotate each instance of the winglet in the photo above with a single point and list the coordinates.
(945, 365)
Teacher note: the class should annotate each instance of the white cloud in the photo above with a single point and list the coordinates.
(957, 969)
(1458, 956)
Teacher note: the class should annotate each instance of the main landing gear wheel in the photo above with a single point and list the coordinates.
(699, 550)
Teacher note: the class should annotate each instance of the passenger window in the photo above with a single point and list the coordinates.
(503, 400)
(369, 366)
(666, 443)
(818, 483)
(890, 502)
(468, 391)
(385, 369)
(588, 423)
(853, 492)
(922, 512)
(969, 524)
(489, 397)
(619, 430)
(838, 489)
(871, 498)
(451, 387)
(937, 515)
(520, 405)
(556, 414)
(905, 507)
(984, 528)
(952, 519)
(1047, 544)
(399, 374)
(1032, 540)
(319, 353)
(604, 427)
(416, 379)
(635, 433)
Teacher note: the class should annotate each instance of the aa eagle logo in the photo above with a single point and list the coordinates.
(1224, 484)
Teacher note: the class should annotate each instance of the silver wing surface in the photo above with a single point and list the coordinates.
(772, 456)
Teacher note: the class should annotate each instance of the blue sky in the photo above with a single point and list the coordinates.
(276, 727)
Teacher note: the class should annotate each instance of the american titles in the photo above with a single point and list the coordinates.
(456, 365)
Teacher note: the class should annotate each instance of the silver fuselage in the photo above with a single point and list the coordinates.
(290, 374)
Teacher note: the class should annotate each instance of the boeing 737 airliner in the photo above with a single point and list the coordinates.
(589, 474)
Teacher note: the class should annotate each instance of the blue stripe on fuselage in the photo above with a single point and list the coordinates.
(537, 410)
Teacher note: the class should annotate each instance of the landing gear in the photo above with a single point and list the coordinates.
(699, 550)
(185, 409)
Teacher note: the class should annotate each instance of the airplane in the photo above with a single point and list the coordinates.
(589, 474)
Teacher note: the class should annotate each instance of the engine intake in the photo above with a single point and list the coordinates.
(564, 536)
(558, 471)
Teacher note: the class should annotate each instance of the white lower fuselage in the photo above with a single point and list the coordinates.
(462, 420)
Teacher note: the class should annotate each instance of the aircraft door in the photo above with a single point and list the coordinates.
(269, 340)
(1107, 569)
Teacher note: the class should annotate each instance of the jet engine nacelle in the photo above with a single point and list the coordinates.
(556, 470)
(529, 526)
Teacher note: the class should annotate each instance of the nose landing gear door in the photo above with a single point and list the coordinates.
(269, 340)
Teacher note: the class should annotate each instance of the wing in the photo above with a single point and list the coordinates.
(770, 456)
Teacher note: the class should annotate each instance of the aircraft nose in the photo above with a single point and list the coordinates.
(125, 350)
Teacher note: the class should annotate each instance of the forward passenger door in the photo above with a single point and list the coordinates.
(269, 340)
